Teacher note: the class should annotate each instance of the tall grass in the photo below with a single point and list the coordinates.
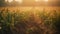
(29, 21)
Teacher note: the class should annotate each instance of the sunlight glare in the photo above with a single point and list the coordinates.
(46, 0)
(41, 0)
(8, 0)
(36, 0)
(20, 1)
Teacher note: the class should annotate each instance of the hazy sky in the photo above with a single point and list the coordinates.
(35, 3)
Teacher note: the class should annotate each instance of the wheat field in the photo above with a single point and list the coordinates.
(30, 20)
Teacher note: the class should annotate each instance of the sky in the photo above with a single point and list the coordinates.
(31, 3)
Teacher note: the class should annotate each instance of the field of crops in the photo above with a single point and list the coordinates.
(29, 20)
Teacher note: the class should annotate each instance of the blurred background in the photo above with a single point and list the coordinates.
(29, 16)
(29, 2)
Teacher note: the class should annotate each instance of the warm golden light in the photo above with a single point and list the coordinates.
(41, 0)
(46, 0)
(20, 1)
(9, 0)
(38, 0)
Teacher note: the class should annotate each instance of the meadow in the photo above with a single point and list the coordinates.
(29, 20)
